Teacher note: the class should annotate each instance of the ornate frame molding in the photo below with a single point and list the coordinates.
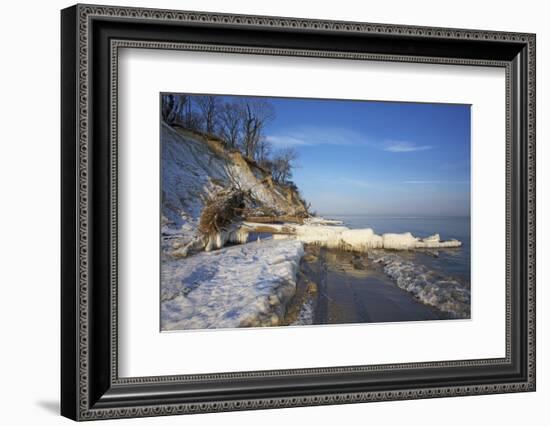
(87, 407)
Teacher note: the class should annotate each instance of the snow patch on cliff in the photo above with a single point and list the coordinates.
(192, 170)
(189, 174)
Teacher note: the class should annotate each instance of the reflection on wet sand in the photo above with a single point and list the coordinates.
(337, 287)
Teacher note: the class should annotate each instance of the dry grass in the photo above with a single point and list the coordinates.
(223, 208)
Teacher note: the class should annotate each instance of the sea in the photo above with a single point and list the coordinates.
(452, 262)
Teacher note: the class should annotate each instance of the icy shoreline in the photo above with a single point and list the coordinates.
(343, 238)
(321, 232)
(253, 284)
(430, 287)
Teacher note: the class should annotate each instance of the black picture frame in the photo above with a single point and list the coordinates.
(90, 386)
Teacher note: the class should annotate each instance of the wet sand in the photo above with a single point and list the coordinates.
(350, 289)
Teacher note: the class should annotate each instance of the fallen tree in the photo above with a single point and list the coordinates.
(217, 222)
(220, 211)
(231, 215)
(336, 237)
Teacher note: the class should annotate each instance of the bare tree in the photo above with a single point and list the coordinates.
(230, 123)
(256, 113)
(190, 118)
(282, 164)
(209, 110)
(172, 107)
(263, 152)
(241, 123)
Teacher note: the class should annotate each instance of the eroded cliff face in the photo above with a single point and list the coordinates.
(195, 167)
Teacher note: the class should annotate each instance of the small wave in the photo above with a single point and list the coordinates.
(430, 287)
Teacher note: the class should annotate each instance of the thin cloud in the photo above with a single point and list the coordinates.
(404, 146)
(287, 140)
(312, 136)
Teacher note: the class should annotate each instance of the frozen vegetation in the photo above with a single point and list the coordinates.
(240, 286)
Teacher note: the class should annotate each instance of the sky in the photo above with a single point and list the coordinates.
(377, 158)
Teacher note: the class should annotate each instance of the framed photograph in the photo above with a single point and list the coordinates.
(263, 212)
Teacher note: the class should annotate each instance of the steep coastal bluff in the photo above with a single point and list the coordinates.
(196, 169)
(239, 286)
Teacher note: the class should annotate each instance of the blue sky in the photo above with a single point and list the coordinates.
(379, 158)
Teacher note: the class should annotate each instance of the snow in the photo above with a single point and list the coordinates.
(189, 173)
(238, 286)
(248, 285)
(430, 287)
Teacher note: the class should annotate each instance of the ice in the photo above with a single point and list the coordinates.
(344, 238)
(248, 285)
(430, 287)
(403, 241)
(317, 220)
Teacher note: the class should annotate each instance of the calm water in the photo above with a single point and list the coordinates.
(455, 262)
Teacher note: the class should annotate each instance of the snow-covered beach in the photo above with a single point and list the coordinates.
(258, 283)
(248, 285)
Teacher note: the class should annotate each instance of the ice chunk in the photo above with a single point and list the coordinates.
(344, 238)
(403, 241)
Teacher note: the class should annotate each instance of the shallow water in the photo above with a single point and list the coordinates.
(349, 290)
(434, 279)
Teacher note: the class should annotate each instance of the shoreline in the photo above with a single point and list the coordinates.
(339, 287)
(317, 285)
